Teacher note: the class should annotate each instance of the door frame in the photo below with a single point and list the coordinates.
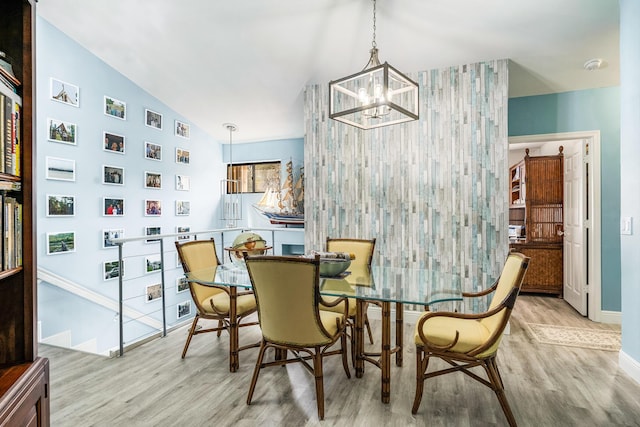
(594, 242)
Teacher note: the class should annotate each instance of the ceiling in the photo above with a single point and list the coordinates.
(248, 61)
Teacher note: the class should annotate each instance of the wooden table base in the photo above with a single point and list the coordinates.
(384, 360)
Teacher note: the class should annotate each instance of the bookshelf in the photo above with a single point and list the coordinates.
(24, 377)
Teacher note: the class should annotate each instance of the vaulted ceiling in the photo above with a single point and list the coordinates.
(248, 61)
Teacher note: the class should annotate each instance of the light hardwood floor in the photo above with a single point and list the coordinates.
(546, 385)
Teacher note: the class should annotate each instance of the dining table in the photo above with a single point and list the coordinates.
(383, 286)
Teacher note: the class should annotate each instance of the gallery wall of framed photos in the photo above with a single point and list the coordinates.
(113, 162)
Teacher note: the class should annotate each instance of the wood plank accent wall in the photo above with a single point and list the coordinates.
(433, 192)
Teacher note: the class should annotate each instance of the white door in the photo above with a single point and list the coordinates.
(574, 256)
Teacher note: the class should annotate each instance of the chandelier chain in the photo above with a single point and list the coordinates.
(373, 42)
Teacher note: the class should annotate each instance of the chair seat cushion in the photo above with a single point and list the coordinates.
(245, 303)
(441, 331)
(340, 307)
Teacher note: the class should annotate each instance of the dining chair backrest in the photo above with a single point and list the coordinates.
(361, 248)
(198, 255)
(509, 284)
(287, 295)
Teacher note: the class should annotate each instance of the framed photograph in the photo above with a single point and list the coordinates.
(183, 182)
(61, 243)
(153, 119)
(182, 129)
(115, 108)
(183, 309)
(113, 175)
(113, 143)
(154, 292)
(183, 229)
(183, 207)
(65, 92)
(152, 207)
(152, 151)
(111, 270)
(61, 205)
(152, 263)
(153, 180)
(112, 206)
(182, 285)
(182, 156)
(152, 231)
(61, 169)
(109, 234)
(62, 132)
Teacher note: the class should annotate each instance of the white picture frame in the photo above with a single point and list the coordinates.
(62, 132)
(112, 175)
(182, 129)
(152, 119)
(115, 108)
(183, 183)
(61, 205)
(183, 207)
(63, 92)
(62, 242)
(59, 169)
(111, 233)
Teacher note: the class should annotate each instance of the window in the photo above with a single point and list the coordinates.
(254, 177)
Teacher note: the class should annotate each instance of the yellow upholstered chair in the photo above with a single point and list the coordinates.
(468, 340)
(213, 302)
(362, 249)
(288, 295)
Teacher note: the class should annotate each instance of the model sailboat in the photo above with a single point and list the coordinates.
(284, 206)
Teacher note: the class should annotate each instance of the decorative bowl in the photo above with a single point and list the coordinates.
(331, 267)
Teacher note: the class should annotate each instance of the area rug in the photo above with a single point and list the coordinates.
(575, 337)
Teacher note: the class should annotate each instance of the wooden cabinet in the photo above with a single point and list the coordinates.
(543, 217)
(544, 274)
(24, 377)
(544, 203)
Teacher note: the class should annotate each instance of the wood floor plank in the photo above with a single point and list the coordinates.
(546, 385)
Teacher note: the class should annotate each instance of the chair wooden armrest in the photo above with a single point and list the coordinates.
(508, 303)
(336, 302)
(481, 293)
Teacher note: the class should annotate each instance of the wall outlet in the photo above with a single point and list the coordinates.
(626, 225)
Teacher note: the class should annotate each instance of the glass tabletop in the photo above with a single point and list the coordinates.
(392, 284)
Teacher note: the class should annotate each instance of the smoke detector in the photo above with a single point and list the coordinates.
(594, 64)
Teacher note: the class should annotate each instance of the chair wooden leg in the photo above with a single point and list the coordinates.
(343, 349)
(220, 325)
(317, 371)
(191, 332)
(256, 371)
(368, 326)
(420, 370)
(494, 377)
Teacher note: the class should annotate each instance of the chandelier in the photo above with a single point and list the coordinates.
(230, 188)
(379, 95)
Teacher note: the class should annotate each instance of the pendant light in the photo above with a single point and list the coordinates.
(379, 95)
(230, 188)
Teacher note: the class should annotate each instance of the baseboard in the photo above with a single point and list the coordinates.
(629, 365)
(614, 317)
(409, 316)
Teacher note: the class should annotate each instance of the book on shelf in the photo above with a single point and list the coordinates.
(12, 231)
(10, 118)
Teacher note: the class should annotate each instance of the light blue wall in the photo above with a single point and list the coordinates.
(62, 58)
(630, 203)
(597, 109)
(282, 150)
